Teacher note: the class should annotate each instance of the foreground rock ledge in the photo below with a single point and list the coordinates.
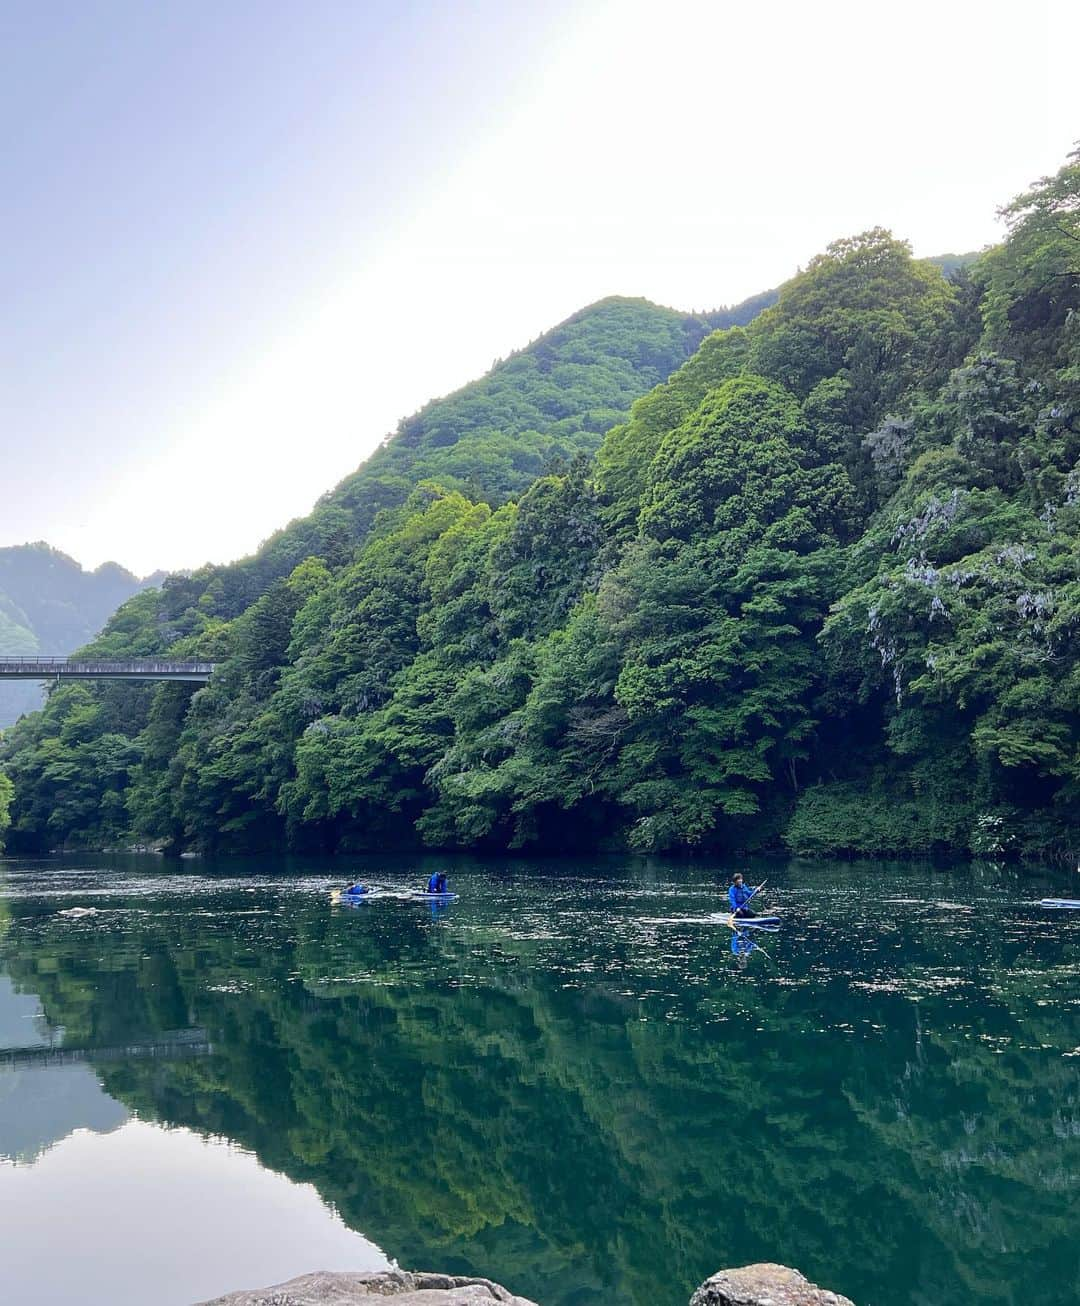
(753, 1285)
(764, 1285)
(326, 1289)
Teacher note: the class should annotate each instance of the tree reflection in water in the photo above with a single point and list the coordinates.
(537, 1086)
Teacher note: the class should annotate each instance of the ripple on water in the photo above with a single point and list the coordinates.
(894, 1028)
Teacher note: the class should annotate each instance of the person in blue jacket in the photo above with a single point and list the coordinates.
(437, 882)
(739, 895)
(355, 890)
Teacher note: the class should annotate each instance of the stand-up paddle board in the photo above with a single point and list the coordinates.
(407, 895)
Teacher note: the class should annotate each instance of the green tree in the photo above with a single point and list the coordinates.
(1033, 290)
(865, 311)
(7, 790)
(715, 609)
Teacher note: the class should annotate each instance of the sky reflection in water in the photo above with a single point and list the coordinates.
(565, 1080)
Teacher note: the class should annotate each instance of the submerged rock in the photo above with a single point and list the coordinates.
(764, 1285)
(328, 1289)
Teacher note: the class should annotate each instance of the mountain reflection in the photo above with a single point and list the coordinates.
(554, 1085)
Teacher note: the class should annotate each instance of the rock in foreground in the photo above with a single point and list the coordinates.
(764, 1285)
(326, 1289)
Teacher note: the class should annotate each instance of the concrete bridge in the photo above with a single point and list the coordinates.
(43, 668)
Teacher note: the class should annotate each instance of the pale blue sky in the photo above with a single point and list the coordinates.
(240, 239)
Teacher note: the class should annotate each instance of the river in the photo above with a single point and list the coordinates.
(212, 1077)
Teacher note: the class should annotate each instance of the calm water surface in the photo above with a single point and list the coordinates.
(565, 1080)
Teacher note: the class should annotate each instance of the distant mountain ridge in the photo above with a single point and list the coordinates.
(50, 604)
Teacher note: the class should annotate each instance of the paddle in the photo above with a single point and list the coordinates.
(753, 895)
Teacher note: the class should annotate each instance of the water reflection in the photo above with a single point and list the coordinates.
(541, 1081)
(743, 944)
(41, 1104)
(148, 1214)
(39, 1108)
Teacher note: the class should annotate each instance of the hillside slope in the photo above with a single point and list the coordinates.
(533, 411)
(540, 408)
(817, 588)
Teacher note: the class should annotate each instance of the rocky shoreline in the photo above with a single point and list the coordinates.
(751, 1285)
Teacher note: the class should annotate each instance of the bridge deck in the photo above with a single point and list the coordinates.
(169, 1046)
(47, 668)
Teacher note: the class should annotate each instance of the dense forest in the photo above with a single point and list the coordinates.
(803, 576)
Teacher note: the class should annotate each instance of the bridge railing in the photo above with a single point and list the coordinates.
(170, 1045)
(49, 668)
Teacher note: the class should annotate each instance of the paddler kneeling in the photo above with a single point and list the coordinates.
(739, 895)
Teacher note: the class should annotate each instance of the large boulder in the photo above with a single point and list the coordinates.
(326, 1289)
(764, 1285)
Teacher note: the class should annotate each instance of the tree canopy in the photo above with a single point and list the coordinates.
(808, 578)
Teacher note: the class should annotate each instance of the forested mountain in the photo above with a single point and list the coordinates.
(50, 605)
(818, 586)
(532, 412)
(535, 410)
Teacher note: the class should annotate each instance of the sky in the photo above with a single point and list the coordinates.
(240, 239)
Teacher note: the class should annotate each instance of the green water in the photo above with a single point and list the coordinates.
(567, 1082)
